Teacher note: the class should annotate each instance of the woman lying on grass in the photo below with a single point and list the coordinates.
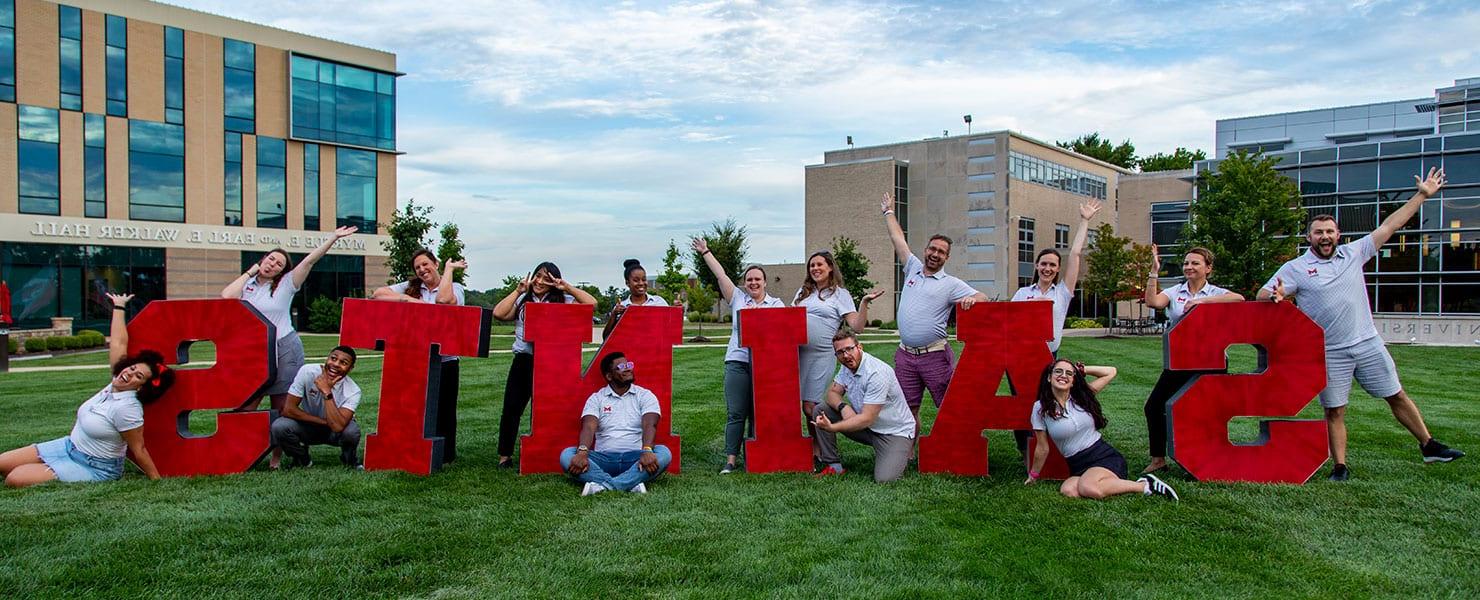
(109, 425)
(1068, 411)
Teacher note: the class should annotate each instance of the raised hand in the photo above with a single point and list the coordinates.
(456, 264)
(525, 283)
(872, 296)
(1431, 185)
(700, 245)
(120, 299)
(254, 269)
(1088, 209)
(1155, 261)
(887, 204)
(344, 232)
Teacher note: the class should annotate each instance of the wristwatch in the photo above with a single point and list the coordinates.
(583, 448)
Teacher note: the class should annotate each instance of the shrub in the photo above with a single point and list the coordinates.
(889, 325)
(93, 338)
(1079, 323)
(57, 342)
(323, 315)
(13, 344)
(876, 323)
(75, 342)
(35, 344)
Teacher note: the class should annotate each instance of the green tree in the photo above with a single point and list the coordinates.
(1179, 159)
(323, 315)
(1092, 145)
(672, 281)
(604, 302)
(507, 287)
(728, 244)
(487, 299)
(1108, 265)
(852, 265)
(408, 233)
(451, 248)
(701, 298)
(1249, 216)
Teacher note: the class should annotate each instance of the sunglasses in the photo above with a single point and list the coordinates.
(624, 366)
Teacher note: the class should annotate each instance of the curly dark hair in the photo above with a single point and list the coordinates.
(163, 376)
(1080, 393)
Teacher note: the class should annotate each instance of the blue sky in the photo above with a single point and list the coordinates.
(588, 133)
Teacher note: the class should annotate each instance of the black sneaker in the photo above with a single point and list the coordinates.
(1434, 451)
(1339, 473)
(349, 457)
(1155, 486)
(302, 462)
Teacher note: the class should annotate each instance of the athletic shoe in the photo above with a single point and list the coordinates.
(349, 457)
(729, 468)
(640, 488)
(1434, 451)
(302, 463)
(592, 488)
(1340, 473)
(506, 464)
(1155, 486)
(830, 471)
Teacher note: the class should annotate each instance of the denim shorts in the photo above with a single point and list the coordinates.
(72, 465)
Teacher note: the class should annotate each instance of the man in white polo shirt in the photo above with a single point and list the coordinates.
(1329, 287)
(875, 412)
(321, 410)
(617, 429)
(924, 358)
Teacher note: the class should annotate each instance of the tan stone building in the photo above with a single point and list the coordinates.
(1000, 196)
(156, 150)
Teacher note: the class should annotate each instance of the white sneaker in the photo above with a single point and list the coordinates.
(640, 489)
(592, 488)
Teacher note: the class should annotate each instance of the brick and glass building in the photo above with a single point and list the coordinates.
(155, 150)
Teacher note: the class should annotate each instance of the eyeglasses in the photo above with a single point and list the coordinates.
(624, 366)
(842, 351)
(1064, 372)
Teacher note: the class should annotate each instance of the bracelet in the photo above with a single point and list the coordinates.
(117, 307)
(1032, 474)
(647, 448)
(704, 252)
(888, 212)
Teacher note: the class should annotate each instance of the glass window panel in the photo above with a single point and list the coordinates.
(7, 13)
(385, 84)
(305, 68)
(1357, 177)
(240, 55)
(1462, 169)
(305, 105)
(1401, 147)
(1399, 298)
(233, 182)
(70, 78)
(38, 124)
(1317, 180)
(1398, 173)
(174, 83)
(1462, 142)
(240, 97)
(272, 191)
(354, 78)
(174, 42)
(1461, 251)
(271, 152)
(38, 169)
(156, 174)
(1461, 213)
(1358, 151)
(117, 31)
(116, 80)
(1323, 155)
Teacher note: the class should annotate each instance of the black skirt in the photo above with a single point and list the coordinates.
(1100, 454)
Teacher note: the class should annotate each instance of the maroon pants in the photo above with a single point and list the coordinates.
(916, 372)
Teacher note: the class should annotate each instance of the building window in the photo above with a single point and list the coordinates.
(65, 280)
(69, 21)
(156, 171)
(1025, 251)
(116, 72)
(174, 76)
(902, 214)
(7, 51)
(272, 183)
(1060, 236)
(311, 187)
(241, 86)
(334, 102)
(1036, 170)
(95, 166)
(37, 144)
(1167, 221)
(233, 178)
(354, 194)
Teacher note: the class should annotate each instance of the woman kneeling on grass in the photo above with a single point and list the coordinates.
(109, 425)
(1068, 411)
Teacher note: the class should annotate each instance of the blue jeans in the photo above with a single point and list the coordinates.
(624, 464)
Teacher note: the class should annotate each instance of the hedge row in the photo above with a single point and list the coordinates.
(86, 338)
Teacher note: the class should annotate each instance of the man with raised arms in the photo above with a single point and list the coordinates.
(1328, 285)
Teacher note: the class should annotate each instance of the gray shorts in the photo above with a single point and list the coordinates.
(1369, 362)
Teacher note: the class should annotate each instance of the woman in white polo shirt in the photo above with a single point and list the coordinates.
(1069, 412)
(739, 390)
(269, 286)
(431, 285)
(544, 284)
(637, 294)
(828, 305)
(1177, 300)
(109, 425)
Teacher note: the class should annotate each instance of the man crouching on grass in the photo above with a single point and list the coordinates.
(620, 420)
(875, 412)
(321, 410)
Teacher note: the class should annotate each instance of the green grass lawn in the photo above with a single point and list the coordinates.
(1399, 528)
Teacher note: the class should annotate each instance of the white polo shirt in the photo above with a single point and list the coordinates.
(653, 300)
(276, 306)
(619, 418)
(346, 391)
(740, 301)
(825, 312)
(1333, 292)
(925, 303)
(1072, 433)
(874, 383)
(1061, 297)
(1178, 295)
(102, 420)
(429, 296)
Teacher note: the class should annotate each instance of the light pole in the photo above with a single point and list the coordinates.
(967, 118)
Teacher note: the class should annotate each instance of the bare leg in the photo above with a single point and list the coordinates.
(1099, 483)
(1336, 433)
(28, 475)
(278, 402)
(14, 459)
(807, 409)
(1407, 413)
(1070, 487)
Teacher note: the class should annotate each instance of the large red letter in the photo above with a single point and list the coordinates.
(1292, 371)
(415, 337)
(646, 335)
(773, 336)
(245, 348)
(1001, 338)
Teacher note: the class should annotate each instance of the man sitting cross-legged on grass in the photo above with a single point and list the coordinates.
(875, 412)
(620, 420)
(321, 410)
